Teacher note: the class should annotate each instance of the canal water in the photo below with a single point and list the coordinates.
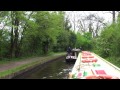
(57, 69)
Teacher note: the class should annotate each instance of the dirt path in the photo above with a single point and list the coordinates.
(14, 64)
(18, 63)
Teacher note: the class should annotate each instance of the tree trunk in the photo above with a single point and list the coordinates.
(16, 36)
(0, 45)
(113, 16)
(90, 28)
(45, 47)
(97, 28)
(74, 23)
(12, 38)
(12, 44)
(22, 35)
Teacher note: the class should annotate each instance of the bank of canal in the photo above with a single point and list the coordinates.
(11, 69)
(57, 69)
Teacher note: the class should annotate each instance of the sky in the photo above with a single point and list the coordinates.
(81, 14)
(1, 25)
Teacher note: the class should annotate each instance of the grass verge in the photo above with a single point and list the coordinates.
(33, 63)
(114, 60)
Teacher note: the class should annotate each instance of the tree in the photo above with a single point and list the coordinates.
(67, 24)
(34, 33)
(113, 12)
(72, 39)
(81, 26)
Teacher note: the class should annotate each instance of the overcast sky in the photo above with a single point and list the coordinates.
(80, 14)
(104, 14)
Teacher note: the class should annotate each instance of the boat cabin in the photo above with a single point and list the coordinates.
(71, 57)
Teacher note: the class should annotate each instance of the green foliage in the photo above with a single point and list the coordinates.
(4, 44)
(34, 33)
(108, 43)
(67, 24)
(84, 41)
(62, 41)
(72, 39)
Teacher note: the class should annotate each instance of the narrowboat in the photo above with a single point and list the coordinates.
(72, 56)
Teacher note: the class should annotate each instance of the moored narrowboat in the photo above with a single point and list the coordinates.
(71, 57)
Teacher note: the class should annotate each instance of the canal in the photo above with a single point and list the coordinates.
(57, 69)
